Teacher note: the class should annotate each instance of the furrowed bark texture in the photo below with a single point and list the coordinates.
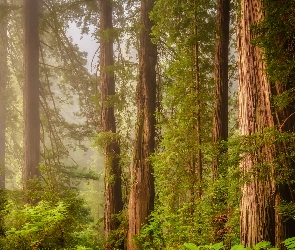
(220, 112)
(142, 192)
(31, 92)
(3, 84)
(257, 220)
(284, 117)
(113, 192)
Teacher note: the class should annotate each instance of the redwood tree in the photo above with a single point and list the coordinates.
(257, 220)
(220, 116)
(113, 191)
(3, 84)
(277, 40)
(31, 91)
(142, 192)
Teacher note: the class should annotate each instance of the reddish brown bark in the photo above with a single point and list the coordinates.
(113, 192)
(142, 194)
(257, 220)
(31, 91)
(3, 84)
(220, 113)
(285, 120)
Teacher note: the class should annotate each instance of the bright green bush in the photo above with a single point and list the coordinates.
(289, 244)
(54, 217)
(48, 226)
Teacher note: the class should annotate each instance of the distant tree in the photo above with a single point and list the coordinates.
(220, 116)
(141, 202)
(196, 162)
(31, 91)
(113, 189)
(3, 84)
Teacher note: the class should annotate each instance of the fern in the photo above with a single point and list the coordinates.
(192, 246)
(240, 247)
(290, 243)
(264, 245)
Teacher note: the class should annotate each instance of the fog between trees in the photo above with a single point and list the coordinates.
(175, 130)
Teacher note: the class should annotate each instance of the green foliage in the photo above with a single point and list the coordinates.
(278, 22)
(290, 243)
(287, 209)
(117, 237)
(103, 139)
(264, 245)
(3, 203)
(218, 246)
(33, 225)
(48, 225)
(240, 247)
(191, 246)
(56, 219)
(152, 234)
(181, 215)
(59, 219)
(176, 220)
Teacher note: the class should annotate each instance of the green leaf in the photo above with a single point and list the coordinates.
(191, 246)
(290, 243)
(83, 248)
(262, 245)
(218, 246)
(239, 247)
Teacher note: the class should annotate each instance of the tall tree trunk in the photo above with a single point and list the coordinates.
(196, 167)
(257, 220)
(31, 92)
(113, 191)
(3, 84)
(142, 192)
(198, 119)
(220, 113)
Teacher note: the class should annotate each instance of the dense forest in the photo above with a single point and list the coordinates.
(177, 131)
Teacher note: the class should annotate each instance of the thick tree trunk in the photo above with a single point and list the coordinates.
(113, 192)
(3, 84)
(142, 192)
(31, 92)
(257, 219)
(220, 113)
(285, 117)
